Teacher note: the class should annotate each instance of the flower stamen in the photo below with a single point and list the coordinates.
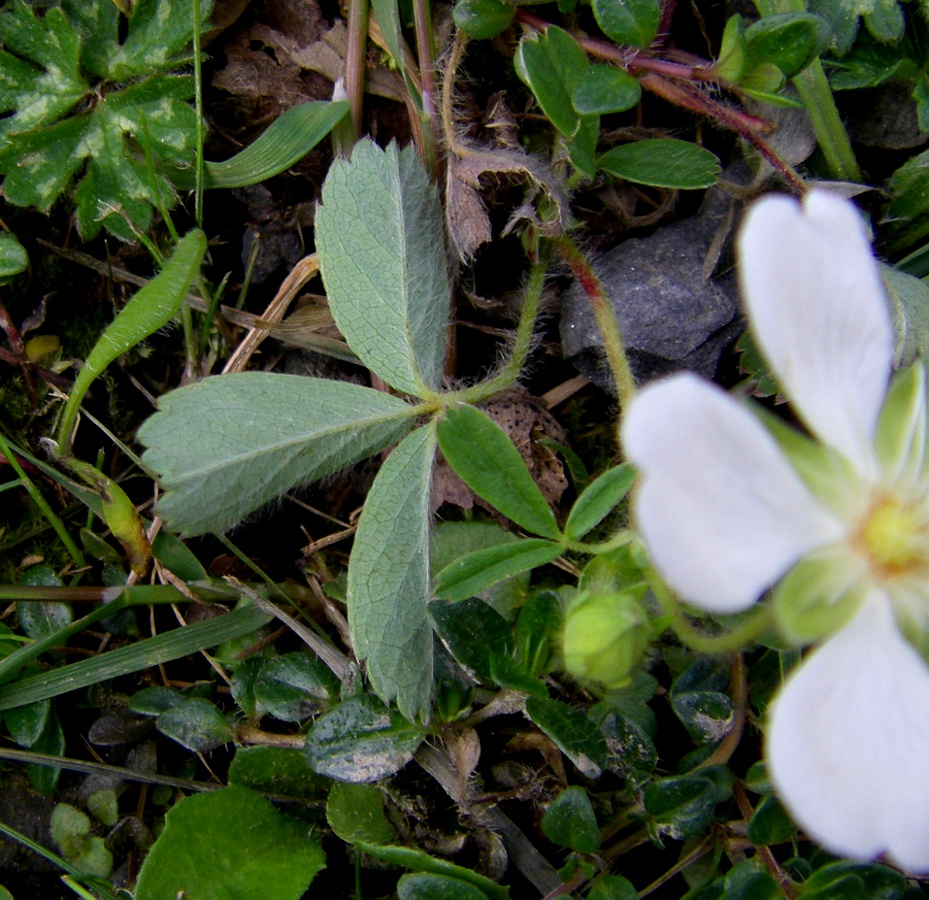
(894, 538)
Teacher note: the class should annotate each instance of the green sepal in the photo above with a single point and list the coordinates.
(820, 594)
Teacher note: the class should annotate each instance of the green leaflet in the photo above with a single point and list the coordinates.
(662, 162)
(228, 444)
(388, 577)
(265, 854)
(284, 142)
(151, 308)
(486, 460)
(383, 261)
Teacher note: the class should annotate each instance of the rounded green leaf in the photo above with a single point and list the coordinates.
(662, 162)
(605, 89)
(482, 19)
(13, 256)
(790, 41)
(478, 449)
(550, 65)
(227, 845)
(770, 824)
(612, 887)
(277, 770)
(632, 22)
(355, 812)
(361, 740)
(570, 821)
(294, 686)
(195, 724)
(680, 807)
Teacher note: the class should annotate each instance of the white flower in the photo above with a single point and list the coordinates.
(729, 506)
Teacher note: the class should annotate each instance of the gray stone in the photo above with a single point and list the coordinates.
(670, 317)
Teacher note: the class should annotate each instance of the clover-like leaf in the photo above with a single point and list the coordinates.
(228, 444)
(383, 260)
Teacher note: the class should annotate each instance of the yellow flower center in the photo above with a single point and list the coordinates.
(894, 537)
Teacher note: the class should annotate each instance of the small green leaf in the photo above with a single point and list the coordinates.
(195, 724)
(153, 701)
(266, 854)
(730, 66)
(570, 821)
(295, 686)
(228, 444)
(631, 750)
(355, 812)
(26, 723)
(908, 298)
(539, 623)
(379, 235)
(598, 500)
(13, 256)
(790, 41)
(750, 881)
(360, 741)
(473, 573)
(770, 823)
(474, 633)
(452, 540)
(482, 19)
(411, 858)
(574, 734)
(277, 770)
(865, 880)
(662, 162)
(486, 460)
(39, 620)
(632, 22)
(281, 145)
(612, 887)
(605, 89)
(550, 65)
(680, 807)
(699, 701)
(388, 577)
(150, 308)
(426, 886)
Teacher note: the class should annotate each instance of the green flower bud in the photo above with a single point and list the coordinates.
(605, 637)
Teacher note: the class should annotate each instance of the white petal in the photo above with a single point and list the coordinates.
(848, 742)
(722, 512)
(817, 304)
